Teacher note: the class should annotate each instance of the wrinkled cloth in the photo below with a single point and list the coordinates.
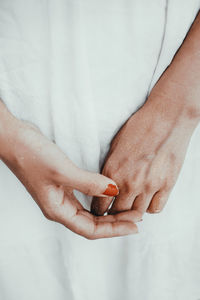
(78, 69)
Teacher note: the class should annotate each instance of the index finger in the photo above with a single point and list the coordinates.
(95, 228)
(100, 205)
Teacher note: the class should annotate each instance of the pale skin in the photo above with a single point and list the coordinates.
(147, 154)
(144, 159)
(50, 177)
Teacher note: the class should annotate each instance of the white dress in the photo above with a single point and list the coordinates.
(78, 69)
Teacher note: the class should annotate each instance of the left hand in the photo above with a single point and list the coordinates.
(145, 158)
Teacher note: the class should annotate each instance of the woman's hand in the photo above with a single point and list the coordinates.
(50, 177)
(146, 156)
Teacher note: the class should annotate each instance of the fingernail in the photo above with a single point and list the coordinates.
(157, 210)
(111, 190)
(153, 211)
(140, 220)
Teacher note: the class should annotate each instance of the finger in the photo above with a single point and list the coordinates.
(89, 183)
(141, 202)
(99, 228)
(100, 205)
(91, 227)
(122, 202)
(158, 202)
(85, 224)
(131, 215)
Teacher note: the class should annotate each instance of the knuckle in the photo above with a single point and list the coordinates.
(111, 170)
(168, 186)
(128, 186)
(172, 158)
(136, 179)
(136, 187)
(107, 167)
(148, 187)
(111, 173)
(54, 172)
(91, 188)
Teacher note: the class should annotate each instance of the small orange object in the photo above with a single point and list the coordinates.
(111, 190)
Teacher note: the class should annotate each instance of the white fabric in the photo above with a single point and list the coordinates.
(78, 69)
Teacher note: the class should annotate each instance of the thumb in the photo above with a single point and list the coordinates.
(95, 184)
(89, 183)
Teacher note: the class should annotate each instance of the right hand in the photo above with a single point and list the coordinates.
(50, 177)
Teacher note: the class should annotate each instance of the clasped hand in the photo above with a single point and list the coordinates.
(141, 169)
(145, 159)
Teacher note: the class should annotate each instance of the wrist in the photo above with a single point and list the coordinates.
(172, 106)
(166, 117)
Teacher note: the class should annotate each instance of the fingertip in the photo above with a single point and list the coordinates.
(127, 228)
(133, 230)
(110, 186)
(153, 211)
(111, 190)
